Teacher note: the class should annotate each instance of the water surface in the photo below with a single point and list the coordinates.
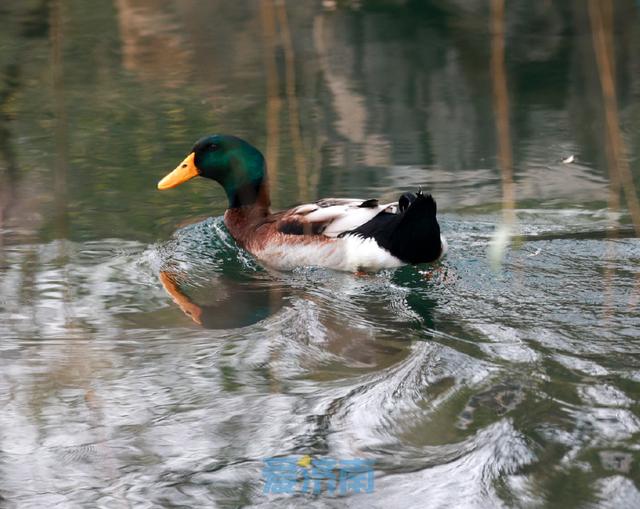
(146, 361)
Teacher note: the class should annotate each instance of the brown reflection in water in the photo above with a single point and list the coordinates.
(501, 106)
(60, 120)
(269, 31)
(153, 42)
(78, 367)
(292, 101)
(501, 114)
(60, 136)
(601, 17)
(7, 157)
(270, 11)
(17, 215)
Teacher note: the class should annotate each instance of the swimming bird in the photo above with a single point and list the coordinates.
(342, 234)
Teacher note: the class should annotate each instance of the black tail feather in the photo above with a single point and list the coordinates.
(412, 235)
(405, 200)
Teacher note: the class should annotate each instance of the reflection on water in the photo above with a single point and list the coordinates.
(226, 293)
(146, 361)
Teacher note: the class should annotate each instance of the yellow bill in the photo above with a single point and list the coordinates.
(186, 170)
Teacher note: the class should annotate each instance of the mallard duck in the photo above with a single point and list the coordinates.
(342, 234)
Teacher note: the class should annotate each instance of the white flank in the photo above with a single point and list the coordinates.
(350, 253)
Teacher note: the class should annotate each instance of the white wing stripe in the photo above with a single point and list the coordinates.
(340, 215)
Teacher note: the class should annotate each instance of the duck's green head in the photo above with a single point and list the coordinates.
(237, 166)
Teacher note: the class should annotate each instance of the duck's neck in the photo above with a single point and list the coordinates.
(250, 195)
(247, 184)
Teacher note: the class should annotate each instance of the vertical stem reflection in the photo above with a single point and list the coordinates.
(60, 146)
(8, 167)
(601, 14)
(294, 119)
(269, 31)
(60, 114)
(273, 122)
(501, 113)
(79, 352)
(7, 179)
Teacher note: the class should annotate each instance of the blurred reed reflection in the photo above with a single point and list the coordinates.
(60, 120)
(501, 113)
(620, 178)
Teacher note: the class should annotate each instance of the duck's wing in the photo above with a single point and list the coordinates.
(331, 216)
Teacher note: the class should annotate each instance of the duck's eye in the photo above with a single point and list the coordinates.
(213, 147)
